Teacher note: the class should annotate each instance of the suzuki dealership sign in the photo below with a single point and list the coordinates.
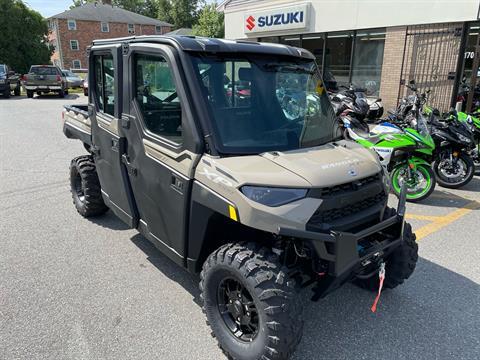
(291, 18)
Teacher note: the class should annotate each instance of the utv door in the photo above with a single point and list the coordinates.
(162, 145)
(107, 139)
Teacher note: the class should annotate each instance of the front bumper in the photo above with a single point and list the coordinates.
(343, 252)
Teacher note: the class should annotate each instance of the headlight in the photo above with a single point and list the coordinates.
(272, 196)
(2, 81)
(464, 138)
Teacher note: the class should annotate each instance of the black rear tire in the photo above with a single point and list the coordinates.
(6, 94)
(16, 92)
(399, 265)
(449, 185)
(85, 187)
(61, 93)
(30, 94)
(268, 287)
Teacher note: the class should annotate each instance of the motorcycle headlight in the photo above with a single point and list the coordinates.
(464, 138)
(272, 196)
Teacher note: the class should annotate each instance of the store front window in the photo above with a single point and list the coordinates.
(368, 60)
(269, 39)
(338, 56)
(314, 43)
(291, 40)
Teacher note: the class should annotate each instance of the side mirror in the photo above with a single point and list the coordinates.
(11, 73)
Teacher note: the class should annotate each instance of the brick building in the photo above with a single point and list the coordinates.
(72, 31)
(377, 45)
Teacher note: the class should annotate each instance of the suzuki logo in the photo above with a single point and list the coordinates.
(250, 23)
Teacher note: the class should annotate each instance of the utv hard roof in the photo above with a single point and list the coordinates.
(211, 45)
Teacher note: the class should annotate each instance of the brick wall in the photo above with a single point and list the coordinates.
(392, 66)
(86, 32)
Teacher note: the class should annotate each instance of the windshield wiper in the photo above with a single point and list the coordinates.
(288, 68)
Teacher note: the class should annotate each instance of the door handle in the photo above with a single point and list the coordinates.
(177, 183)
(130, 169)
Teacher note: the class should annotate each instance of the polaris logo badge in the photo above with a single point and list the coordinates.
(277, 19)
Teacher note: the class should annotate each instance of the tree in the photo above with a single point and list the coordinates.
(180, 13)
(24, 39)
(210, 22)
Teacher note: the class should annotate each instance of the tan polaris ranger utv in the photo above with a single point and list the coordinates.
(225, 155)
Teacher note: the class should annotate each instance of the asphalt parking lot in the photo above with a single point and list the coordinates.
(72, 288)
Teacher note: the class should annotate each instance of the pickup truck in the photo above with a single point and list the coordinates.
(9, 81)
(43, 79)
(189, 143)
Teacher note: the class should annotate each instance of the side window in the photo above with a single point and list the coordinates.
(157, 97)
(105, 83)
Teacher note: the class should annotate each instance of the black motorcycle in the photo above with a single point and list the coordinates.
(452, 164)
(351, 102)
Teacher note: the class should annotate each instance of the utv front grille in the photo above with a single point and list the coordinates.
(349, 206)
(329, 216)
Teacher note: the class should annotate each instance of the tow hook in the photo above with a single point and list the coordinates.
(381, 278)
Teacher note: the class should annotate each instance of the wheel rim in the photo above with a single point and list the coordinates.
(453, 172)
(238, 310)
(78, 188)
(417, 185)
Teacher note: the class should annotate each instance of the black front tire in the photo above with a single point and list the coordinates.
(273, 293)
(61, 94)
(16, 92)
(29, 94)
(6, 94)
(399, 265)
(85, 187)
(450, 185)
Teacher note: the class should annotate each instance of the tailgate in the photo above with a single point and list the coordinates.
(42, 80)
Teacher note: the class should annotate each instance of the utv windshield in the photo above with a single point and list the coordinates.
(261, 103)
(2, 69)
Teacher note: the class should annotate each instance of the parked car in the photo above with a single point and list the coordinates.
(73, 80)
(9, 81)
(85, 86)
(262, 205)
(43, 79)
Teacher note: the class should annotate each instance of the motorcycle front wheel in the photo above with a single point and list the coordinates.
(420, 182)
(454, 174)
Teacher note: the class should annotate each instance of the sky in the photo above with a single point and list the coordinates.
(52, 7)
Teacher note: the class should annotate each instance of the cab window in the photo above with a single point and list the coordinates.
(157, 97)
(104, 83)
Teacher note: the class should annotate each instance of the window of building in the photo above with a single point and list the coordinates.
(104, 89)
(338, 57)
(76, 64)
(269, 39)
(131, 28)
(104, 27)
(315, 44)
(158, 29)
(74, 45)
(157, 97)
(291, 40)
(368, 60)
(72, 24)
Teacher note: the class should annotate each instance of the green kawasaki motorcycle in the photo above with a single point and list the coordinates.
(405, 153)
